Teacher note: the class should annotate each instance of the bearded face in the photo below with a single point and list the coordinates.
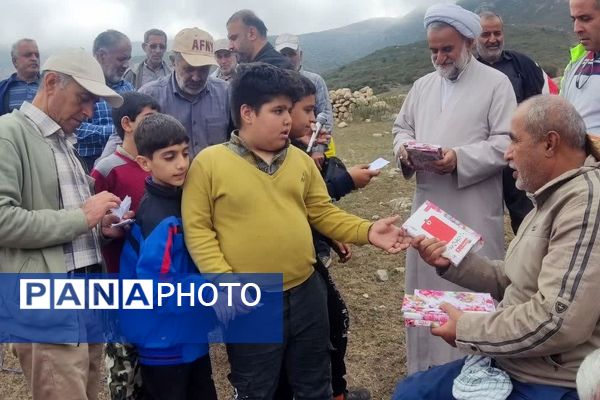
(451, 69)
(490, 43)
(450, 51)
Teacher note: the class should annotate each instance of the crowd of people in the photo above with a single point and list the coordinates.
(209, 140)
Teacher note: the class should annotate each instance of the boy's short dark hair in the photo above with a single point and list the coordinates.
(133, 104)
(158, 131)
(258, 83)
(305, 87)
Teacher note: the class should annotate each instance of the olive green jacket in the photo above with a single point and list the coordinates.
(33, 228)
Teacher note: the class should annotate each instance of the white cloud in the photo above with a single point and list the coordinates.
(59, 23)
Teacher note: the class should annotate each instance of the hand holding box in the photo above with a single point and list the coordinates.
(431, 221)
(423, 307)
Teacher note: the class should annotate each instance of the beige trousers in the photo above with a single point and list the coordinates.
(61, 371)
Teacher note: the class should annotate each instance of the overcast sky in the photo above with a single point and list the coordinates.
(59, 23)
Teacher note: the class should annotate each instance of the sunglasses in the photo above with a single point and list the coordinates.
(155, 46)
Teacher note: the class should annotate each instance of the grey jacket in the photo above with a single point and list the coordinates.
(548, 318)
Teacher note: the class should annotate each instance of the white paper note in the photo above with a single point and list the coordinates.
(378, 164)
(123, 208)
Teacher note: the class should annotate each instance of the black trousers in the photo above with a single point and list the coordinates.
(339, 321)
(256, 368)
(190, 381)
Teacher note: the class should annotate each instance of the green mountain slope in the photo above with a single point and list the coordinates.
(553, 13)
(327, 50)
(331, 49)
(399, 66)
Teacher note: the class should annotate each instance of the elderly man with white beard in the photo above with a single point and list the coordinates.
(465, 107)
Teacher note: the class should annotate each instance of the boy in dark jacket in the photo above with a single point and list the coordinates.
(170, 370)
(339, 183)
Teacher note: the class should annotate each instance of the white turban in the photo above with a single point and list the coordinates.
(464, 21)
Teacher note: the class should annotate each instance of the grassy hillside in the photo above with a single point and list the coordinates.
(325, 51)
(331, 49)
(400, 65)
(553, 13)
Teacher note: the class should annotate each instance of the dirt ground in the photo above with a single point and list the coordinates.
(376, 356)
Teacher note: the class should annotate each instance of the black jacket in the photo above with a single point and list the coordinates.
(158, 203)
(528, 79)
(269, 55)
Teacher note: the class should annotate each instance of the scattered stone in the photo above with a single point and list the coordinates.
(378, 135)
(396, 204)
(366, 295)
(400, 270)
(368, 120)
(382, 275)
(375, 217)
(400, 204)
(342, 124)
(343, 102)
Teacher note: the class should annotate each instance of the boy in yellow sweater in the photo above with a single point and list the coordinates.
(247, 208)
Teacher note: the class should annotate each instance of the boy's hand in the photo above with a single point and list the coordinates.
(237, 304)
(387, 236)
(222, 310)
(361, 175)
(343, 250)
(448, 330)
(323, 138)
(318, 158)
(225, 312)
(431, 251)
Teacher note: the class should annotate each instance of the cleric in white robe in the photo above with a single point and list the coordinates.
(465, 107)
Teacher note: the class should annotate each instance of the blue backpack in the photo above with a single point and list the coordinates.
(162, 256)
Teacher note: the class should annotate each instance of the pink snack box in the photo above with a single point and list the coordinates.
(421, 155)
(423, 307)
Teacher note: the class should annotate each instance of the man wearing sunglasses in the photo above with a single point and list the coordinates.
(581, 81)
(154, 66)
